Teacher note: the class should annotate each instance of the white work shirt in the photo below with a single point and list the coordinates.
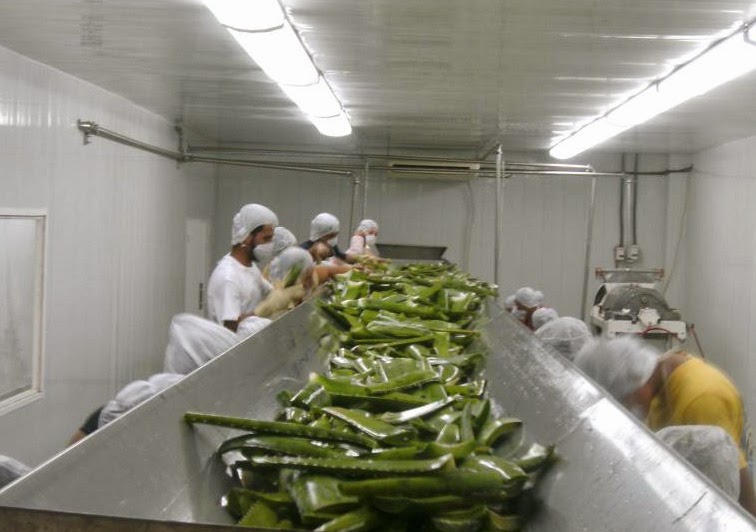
(234, 289)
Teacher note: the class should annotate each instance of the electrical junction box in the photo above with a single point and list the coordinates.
(633, 253)
(619, 254)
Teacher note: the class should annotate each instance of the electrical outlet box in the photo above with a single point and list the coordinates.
(619, 253)
(633, 253)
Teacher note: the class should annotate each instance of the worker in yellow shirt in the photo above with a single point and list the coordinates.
(673, 389)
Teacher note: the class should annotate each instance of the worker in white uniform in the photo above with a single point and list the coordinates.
(11, 469)
(566, 334)
(363, 241)
(527, 301)
(710, 450)
(265, 253)
(237, 286)
(542, 316)
(134, 394)
(324, 229)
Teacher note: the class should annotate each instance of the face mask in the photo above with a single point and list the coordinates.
(333, 241)
(370, 240)
(263, 253)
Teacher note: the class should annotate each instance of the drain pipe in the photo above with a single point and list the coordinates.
(498, 218)
(365, 189)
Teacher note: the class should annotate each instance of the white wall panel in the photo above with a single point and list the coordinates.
(115, 245)
(721, 259)
(545, 219)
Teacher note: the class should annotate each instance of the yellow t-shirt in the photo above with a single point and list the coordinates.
(696, 393)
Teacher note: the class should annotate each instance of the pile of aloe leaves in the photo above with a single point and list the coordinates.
(398, 432)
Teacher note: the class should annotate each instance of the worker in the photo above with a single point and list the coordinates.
(286, 296)
(509, 303)
(236, 285)
(363, 242)
(282, 239)
(542, 316)
(194, 341)
(527, 300)
(134, 394)
(710, 450)
(11, 469)
(325, 228)
(91, 423)
(565, 334)
(674, 389)
(288, 259)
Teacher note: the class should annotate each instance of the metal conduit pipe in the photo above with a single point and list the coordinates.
(588, 245)
(365, 189)
(355, 199)
(89, 128)
(255, 164)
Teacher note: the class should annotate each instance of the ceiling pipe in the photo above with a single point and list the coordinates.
(90, 129)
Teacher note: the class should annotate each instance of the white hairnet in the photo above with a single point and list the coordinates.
(282, 239)
(249, 218)
(322, 225)
(11, 469)
(288, 259)
(621, 365)
(542, 316)
(367, 225)
(527, 297)
(194, 341)
(135, 393)
(509, 302)
(251, 325)
(566, 334)
(710, 450)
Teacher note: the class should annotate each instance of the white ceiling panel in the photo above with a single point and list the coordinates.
(412, 75)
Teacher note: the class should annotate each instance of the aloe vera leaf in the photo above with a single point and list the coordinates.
(279, 427)
(372, 426)
(315, 494)
(420, 411)
(495, 429)
(350, 466)
(278, 444)
(459, 482)
(363, 519)
(409, 380)
(259, 515)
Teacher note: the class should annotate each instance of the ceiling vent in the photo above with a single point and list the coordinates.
(435, 170)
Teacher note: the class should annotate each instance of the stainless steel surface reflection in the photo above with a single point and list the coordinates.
(613, 474)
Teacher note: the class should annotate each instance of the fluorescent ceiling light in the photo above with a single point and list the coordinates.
(726, 60)
(315, 100)
(262, 30)
(333, 126)
(280, 54)
(247, 15)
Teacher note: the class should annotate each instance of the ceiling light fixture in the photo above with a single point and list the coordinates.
(723, 61)
(262, 30)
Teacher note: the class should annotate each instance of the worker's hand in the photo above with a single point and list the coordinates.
(280, 299)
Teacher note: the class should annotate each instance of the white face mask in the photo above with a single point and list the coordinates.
(333, 241)
(370, 240)
(264, 253)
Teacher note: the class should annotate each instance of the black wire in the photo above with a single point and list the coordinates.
(622, 205)
(635, 200)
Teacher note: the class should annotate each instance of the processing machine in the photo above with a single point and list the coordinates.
(629, 302)
(150, 471)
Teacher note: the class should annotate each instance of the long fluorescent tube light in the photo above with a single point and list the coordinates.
(251, 15)
(315, 100)
(722, 62)
(262, 30)
(332, 126)
(280, 54)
